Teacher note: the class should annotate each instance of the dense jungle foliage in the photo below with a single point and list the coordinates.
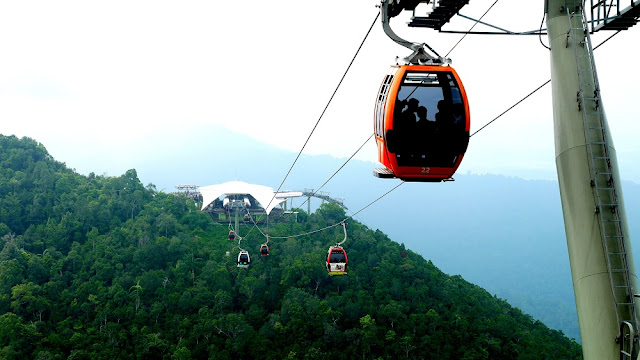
(98, 267)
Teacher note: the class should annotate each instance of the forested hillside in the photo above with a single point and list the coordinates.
(96, 267)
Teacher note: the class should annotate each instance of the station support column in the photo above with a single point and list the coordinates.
(598, 316)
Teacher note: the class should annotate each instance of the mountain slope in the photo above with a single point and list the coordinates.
(505, 234)
(114, 270)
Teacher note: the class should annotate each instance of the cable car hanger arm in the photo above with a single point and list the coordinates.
(344, 227)
(419, 55)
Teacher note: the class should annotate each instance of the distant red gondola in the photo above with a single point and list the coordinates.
(232, 235)
(337, 261)
(421, 123)
(264, 250)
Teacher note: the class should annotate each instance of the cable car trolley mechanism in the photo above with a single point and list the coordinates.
(421, 118)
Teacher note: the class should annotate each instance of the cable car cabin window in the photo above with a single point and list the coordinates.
(337, 257)
(429, 117)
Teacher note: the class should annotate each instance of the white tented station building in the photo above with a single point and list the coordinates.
(224, 201)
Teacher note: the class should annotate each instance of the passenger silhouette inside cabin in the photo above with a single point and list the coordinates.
(444, 122)
(417, 140)
(422, 116)
(420, 141)
(408, 114)
(422, 138)
(337, 257)
(405, 126)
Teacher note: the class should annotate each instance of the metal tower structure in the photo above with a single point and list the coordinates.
(602, 269)
(324, 196)
(189, 191)
(613, 15)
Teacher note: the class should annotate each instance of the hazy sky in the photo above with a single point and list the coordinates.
(92, 79)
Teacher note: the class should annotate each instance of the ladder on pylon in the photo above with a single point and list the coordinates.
(602, 179)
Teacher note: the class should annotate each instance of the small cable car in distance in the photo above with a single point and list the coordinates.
(264, 250)
(421, 118)
(243, 259)
(337, 261)
(337, 257)
(232, 235)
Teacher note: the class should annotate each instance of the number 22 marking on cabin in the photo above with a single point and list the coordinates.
(425, 170)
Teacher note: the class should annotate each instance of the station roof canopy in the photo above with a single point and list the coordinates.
(265, 195)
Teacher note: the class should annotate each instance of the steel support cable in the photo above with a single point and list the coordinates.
(325, 108)
(337, 171)
(607, 39)
(338, 223)
(255, 226)
(512, 106)
(371, 203)
(266, 235)
(534, 91)
(474, 25)
(236, 231)
(540, 35)
(254, 223)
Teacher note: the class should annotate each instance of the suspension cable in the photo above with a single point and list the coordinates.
(337, 171)
(325, 108)
(512, 106)
(607, 39)
(468, 31)
(339, 222)
(540, 32)
(373, 202)
(534, 91)
(254, 224)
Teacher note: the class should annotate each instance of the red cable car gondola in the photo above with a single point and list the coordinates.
(337, 261)
(232, 235)
(421, 123)
(264, 250)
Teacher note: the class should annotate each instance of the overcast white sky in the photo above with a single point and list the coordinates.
(88, 79)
